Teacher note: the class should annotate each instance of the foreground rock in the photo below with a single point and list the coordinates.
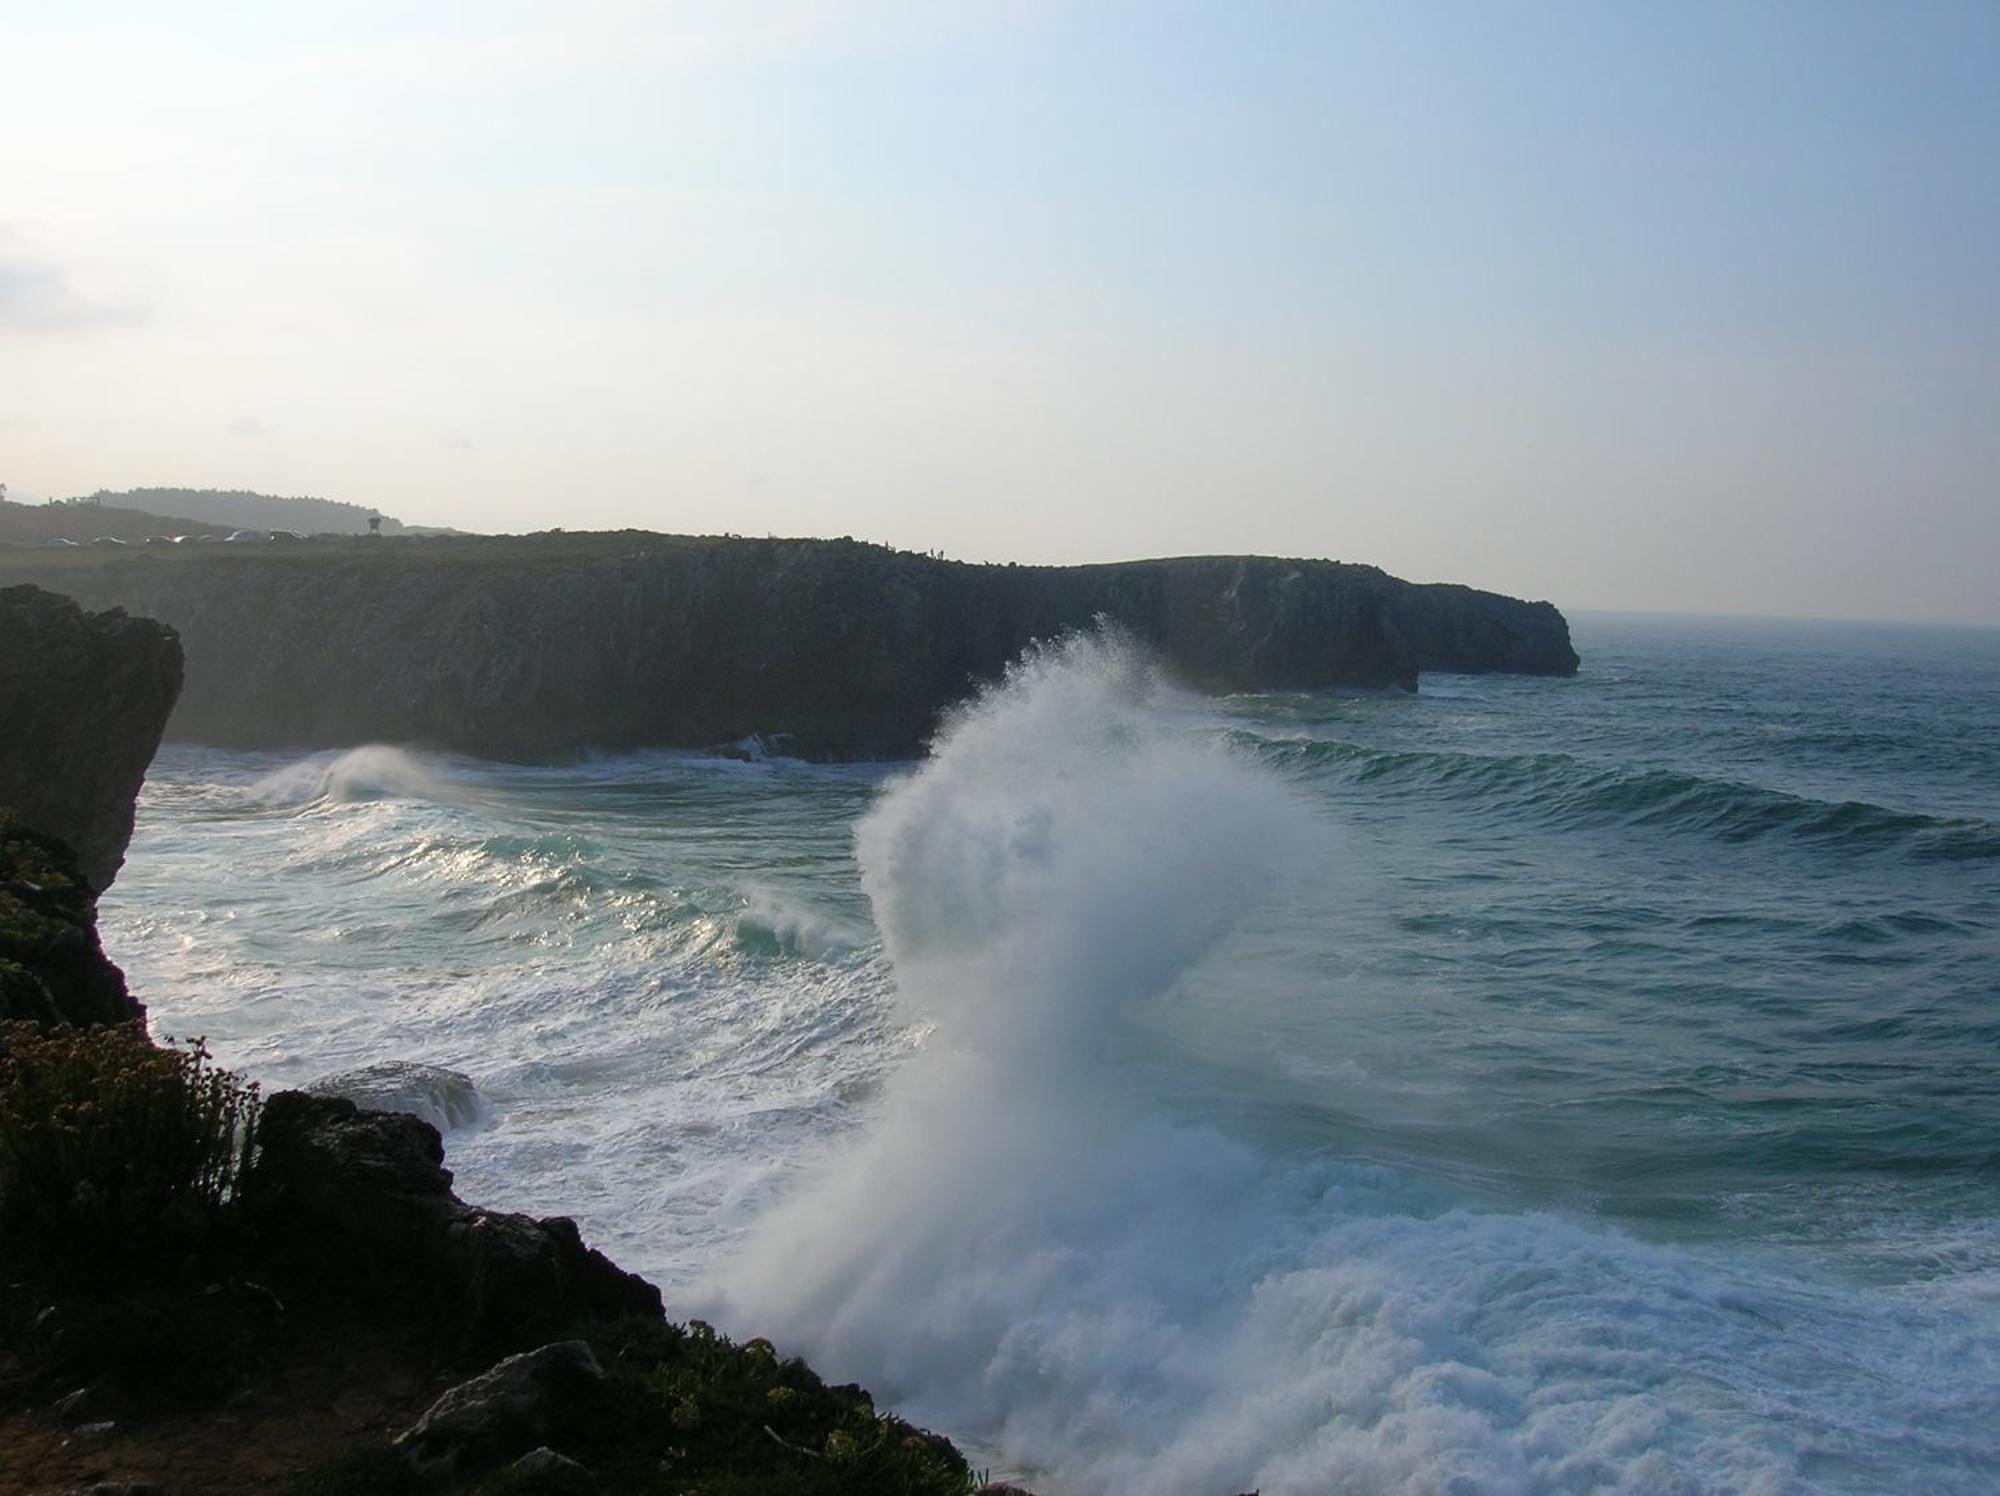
(541, 647)
(506, 1413)
(366, 1197)
(84, 698)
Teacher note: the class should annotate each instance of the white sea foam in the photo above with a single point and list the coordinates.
(984, 1194)
(373, 772)
(1026, 1252)
(791, 926)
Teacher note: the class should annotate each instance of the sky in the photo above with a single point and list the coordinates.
(1688, 307)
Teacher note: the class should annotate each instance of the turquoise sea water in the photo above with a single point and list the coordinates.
(1584, 1084)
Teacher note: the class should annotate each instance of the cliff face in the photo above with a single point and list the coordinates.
(83, 701)
(540, 647)
(52, 969)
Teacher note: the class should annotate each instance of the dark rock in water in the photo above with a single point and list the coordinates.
(84, 698)
(52, 969)
(367, 1196)
(442, 1097)
(517, 1406)
(542, 647)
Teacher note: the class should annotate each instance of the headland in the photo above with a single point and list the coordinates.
(545, 647)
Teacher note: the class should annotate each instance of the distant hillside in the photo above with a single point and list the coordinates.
(83, 522)
(543, 647)
(258, 511)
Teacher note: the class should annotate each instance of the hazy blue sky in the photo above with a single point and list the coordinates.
(1663, 305)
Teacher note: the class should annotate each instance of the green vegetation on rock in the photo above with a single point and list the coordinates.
(685, 1410)
(136, 1264)
(113, 1148)
(52, 969)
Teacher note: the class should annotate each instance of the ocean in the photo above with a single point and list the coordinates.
(1526, 1085)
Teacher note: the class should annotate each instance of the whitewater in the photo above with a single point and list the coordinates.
(1526, 1085)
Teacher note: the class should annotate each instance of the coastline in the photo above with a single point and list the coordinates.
(540, 649)
(158, 1327)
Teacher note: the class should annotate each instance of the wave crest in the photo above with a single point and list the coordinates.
(376, 771)
(1569, 791)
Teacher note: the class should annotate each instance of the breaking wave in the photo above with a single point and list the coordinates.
(1028, 1248)
(376, 771)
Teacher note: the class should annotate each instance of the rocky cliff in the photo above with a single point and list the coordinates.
(363, 1198)
(52, 969)
(83, 701)
(540, 647)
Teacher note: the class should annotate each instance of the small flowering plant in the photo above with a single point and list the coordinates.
(112, 1147)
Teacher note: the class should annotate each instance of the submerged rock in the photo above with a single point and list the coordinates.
(84, 698)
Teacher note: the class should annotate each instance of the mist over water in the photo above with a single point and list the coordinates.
(1526, 1086)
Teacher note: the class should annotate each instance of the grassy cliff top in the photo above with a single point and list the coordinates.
(553, 546)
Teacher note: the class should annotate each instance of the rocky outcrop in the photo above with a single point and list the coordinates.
(367, 1197)
(542, 647)
(505, 1413)
(52, 970)
(84, 699)
(1445, 627)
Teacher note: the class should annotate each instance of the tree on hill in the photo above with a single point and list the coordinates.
(253, 511)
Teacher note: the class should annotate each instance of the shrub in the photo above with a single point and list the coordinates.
(111, 1147)
(738, 1420)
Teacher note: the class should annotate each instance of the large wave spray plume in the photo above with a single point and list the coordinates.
(1027, 1252)
(1068, 850)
